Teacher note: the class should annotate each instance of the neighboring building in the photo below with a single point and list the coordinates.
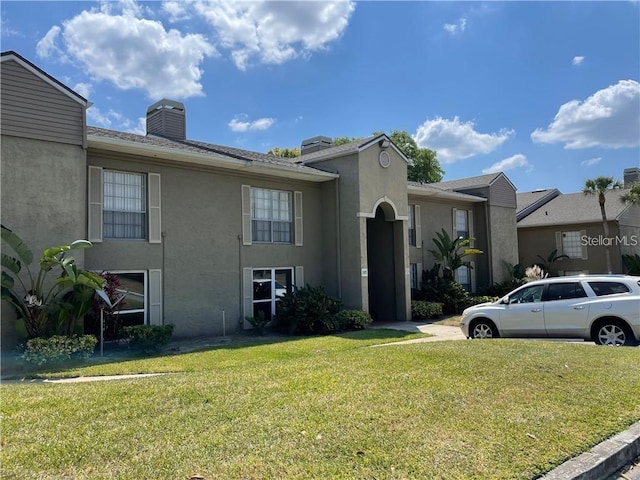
(199, 232)
(572, 225)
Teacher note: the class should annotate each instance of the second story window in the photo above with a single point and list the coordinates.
(462, 225)
(412, 225)
(125, 207)
(271, 216)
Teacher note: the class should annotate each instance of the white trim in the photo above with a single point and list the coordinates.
(154, 208)
(95, 186)
(298, 228)
(154, 288)
(145, 310)
(384, 199)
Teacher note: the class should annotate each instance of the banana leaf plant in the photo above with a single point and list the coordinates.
(450, 252)
(47, 306)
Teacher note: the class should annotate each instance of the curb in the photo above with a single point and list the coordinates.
(603, 460)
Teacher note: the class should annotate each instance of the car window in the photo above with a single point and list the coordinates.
(527, 295)
(564, 291)
(608, 288)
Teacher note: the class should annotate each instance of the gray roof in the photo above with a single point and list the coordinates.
(528, 202)
(339, 151)
(576, 208)
(468, 183)
(190, 146)
(433, 190)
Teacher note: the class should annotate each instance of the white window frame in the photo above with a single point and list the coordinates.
(144, 199)
(270, 218)
(274, 299)
(144, 310)
(572, 247)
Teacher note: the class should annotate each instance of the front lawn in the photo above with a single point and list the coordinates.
(327, 408)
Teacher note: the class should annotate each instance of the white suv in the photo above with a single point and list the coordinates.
(602, 308)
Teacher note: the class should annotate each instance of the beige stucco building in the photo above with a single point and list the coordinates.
(203, 235)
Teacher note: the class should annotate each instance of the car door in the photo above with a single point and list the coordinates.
(566, 310)
(523, 316)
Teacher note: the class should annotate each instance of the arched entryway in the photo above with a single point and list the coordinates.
(381, 262)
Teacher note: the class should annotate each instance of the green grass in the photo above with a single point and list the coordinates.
(326, 408)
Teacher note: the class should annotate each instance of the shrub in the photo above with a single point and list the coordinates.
(500, 289)
(148, 338)
(258, 323)
(448, 292)
(305, 311)
(353, 319)
(421, 310)
(59, 348)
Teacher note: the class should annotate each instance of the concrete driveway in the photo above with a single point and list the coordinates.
(439, 332)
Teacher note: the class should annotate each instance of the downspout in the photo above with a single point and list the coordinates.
(339, 240)
(164, 275)
(241, 282)
(489, 245)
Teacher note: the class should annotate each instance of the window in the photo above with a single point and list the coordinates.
(268, 286)
(608, 288)
(565, 291)
(527, 295)
(271, 216)
(413, 275)
(571, 244)
(412, 225)
(132, 309)
(462, 226)
(124, 205)
(464, 277)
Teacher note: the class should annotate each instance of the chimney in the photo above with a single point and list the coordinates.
(315, 144)
(631, 176)
(166, 118)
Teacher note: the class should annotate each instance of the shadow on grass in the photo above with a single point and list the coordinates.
(13, 367)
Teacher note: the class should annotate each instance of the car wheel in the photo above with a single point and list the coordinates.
(613, 334)
(483, 329)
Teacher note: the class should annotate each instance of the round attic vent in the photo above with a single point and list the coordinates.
(384, 159)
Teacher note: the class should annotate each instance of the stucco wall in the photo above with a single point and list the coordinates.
(503, 240)
(541, 241)
(436, 214)
(43, 191)
(202, 255)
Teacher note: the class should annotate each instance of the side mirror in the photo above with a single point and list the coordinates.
(505, 300)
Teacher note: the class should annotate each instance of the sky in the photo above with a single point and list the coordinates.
(547, 92)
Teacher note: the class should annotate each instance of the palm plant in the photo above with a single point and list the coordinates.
(599, 186)
(450, 252)
(37, 301)
(631, 263)
(552, 258)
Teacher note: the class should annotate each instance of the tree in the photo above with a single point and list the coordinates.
(633, 195)
(285, 152)
(423, 163)
(600, 186)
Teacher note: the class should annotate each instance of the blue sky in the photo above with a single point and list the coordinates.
(547, 92)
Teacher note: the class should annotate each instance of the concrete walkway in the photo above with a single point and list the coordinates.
(439, 332)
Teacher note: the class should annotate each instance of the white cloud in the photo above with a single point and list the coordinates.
(608, 118)
(115, 121)
(591, 161)
(454, 140)
(177, 11)
(46, 46)
(83, 89)
(577, 60)
(132, 52)
(456, 28)
(515, 161)
(274, 32)
(239, 123)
